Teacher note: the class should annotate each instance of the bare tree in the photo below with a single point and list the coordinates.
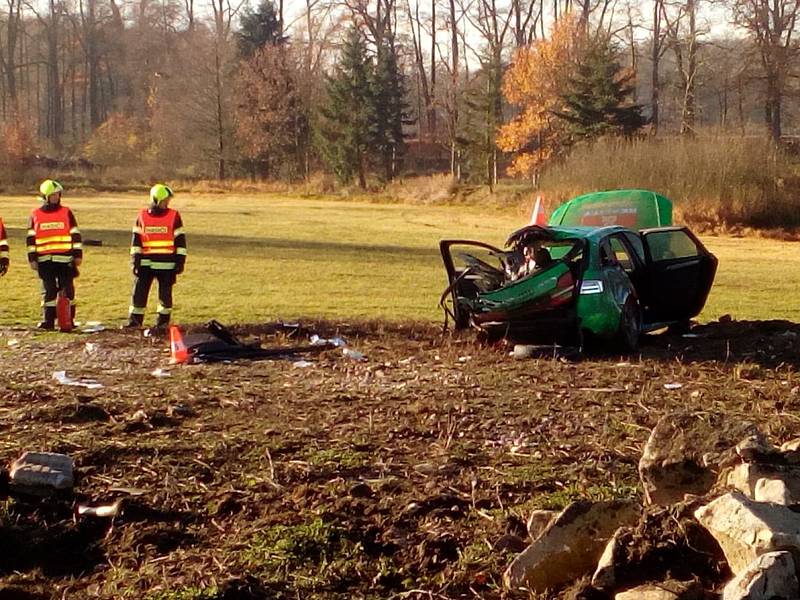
(771, 24)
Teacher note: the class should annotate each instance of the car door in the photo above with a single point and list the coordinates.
(472, 268)
(619, 265)
(679, 274)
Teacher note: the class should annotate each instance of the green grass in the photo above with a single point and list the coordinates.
(260, 257)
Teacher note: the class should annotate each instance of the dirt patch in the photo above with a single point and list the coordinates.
(345, 479)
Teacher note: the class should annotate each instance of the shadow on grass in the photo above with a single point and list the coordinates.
(114, 238)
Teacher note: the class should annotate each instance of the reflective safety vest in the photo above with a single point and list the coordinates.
(52, 231)
(158, 232)
(3, 241)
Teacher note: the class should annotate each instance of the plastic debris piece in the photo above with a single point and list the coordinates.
(353, 354)
(62, 378)
(92, 327)
(159, 372)
(13, 342)
(90, 348)
(101, 511)
(673, 386)
(691, 335)
(337, 342)
(463, 359)
(42, 472)
(302, 364)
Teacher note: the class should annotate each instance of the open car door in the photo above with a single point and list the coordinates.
(679, 274)
(472, 268)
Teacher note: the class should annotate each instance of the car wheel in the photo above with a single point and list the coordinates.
(630, 325)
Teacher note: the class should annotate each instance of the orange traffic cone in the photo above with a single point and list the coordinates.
(537, 216)
(177, 349)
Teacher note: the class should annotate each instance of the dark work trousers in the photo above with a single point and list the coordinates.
(56, 277)
(141, 290)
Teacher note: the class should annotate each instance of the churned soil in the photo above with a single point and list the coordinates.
(407, 475)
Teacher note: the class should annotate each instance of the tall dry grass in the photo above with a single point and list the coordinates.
(714, 180)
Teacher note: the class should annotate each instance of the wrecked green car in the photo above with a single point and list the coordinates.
(567, 283)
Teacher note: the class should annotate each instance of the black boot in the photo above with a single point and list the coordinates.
(134, 322)
(48, 322)
(162, 323)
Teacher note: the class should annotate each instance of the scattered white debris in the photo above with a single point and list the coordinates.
(302, 364)
(159, 372)
(463, 359)
(353, 354)
(691, 336)
(42, 472)
(90, 348)
(338, 342)
(92, 327)
(62, 378)
(13, 342)
(673, 386)
(102, 511)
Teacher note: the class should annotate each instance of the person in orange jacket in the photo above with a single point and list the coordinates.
(55, 250)
(158, 251)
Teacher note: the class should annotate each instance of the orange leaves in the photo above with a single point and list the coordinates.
(535, 82)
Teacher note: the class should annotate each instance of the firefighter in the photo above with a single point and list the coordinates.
(55, 250)
(3, 249)
(158, 251)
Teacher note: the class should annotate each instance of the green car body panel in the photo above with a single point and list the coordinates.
(635, 209)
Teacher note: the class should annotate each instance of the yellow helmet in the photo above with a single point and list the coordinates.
(50, 187)
(160, 192)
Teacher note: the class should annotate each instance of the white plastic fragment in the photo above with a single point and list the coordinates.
(13, 342)
(42, 472)
(302, 364)
(337, 342)
(353, 354)
(62, 378)
(92, 327)
(673, 386)
(159, 372)
(102, 511)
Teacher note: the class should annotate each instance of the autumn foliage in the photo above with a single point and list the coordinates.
(535, 82)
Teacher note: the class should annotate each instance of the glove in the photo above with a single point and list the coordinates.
(75, 272)
(77, 261)
(3, 267)
(178, 268)
(33, 265)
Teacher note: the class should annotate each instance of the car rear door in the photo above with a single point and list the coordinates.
(679, 274)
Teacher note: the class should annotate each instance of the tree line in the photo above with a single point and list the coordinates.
(369, 89)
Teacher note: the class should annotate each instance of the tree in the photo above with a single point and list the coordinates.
(347, 126)
(257, 28)
(598, 99)
(390, 109)
(772, 24)
(270, 122)
(535, 82)
(480, 121)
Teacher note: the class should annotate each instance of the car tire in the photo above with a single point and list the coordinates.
(630, 325)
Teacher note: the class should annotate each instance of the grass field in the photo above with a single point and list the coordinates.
(262, 257)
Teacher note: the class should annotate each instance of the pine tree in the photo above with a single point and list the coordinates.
(257, 28)
(391, 110)
(599, 96)
(482, 116)
(346, 131)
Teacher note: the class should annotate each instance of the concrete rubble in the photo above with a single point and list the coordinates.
(570, 546)
(724, 504)
(771, 576)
